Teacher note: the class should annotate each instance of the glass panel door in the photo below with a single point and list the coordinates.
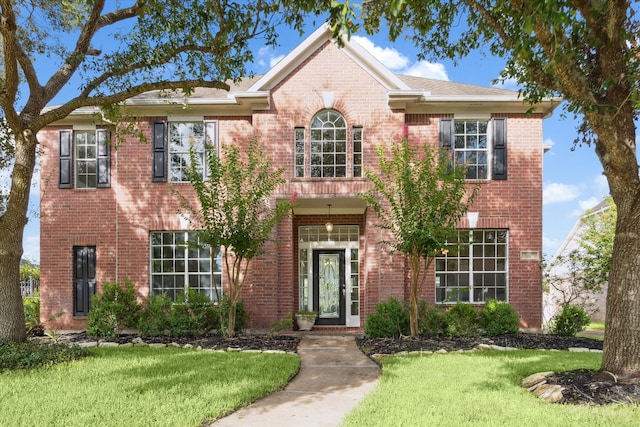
(329, 286)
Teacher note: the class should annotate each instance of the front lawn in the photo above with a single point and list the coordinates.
(479, 389)
(141, 386)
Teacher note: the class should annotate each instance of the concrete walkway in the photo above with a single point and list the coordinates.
(334, 376)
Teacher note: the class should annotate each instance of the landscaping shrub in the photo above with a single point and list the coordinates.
(462, 320)
(431, 321)
(498, 318)
(154, 319)
(31, 306)
(35, 354)
(391, 319)
(571, 320)
(114, 309)
(195, 316)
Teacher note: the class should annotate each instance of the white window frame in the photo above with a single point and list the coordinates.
(172, 258)
(85, 159)
(203, 144)
(320, 148)
(468, 263)
(461, 154)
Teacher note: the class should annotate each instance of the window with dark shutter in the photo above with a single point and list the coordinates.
(499, 148)
(159, 154)
(65, 177)
(104, 159)
(446, 133)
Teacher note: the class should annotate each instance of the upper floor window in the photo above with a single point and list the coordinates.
(328, 145)
(471, 147)
(479, 144)
(332, 152)
(176, 140)
(84, 159)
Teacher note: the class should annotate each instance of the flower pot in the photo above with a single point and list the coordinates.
(305, 321)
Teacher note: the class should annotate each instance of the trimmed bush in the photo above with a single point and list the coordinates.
(391, 319)
(431, 321)
(114, 309)
(154, 319)
(35, 354)
(462, 320)
(498, 318)
(31, 306)
(571, 320)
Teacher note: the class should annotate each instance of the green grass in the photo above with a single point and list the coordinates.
(141, 386)
(479, 389)
(596, 326)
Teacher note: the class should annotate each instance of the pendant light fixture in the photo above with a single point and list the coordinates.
(329, 225)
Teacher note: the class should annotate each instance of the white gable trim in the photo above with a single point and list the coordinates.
(312, 43)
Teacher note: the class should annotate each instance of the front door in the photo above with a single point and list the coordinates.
(329, 286)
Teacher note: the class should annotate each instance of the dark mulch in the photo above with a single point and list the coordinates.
(581, 387)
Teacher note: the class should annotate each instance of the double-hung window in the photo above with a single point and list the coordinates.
(481, 145)
(474, 268)
(179, 263)
(173, 145)
(84, 159)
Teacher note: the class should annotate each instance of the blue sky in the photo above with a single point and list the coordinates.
(573, 180)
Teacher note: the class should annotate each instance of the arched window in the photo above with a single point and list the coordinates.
(328, 155)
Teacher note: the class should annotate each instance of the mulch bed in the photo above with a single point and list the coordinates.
(581, 387)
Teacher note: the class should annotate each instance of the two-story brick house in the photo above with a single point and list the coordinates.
(108, 212)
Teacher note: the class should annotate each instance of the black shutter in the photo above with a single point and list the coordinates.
(159, 152)
(84, 260)
(499, 148)
(65, 177)
(446, 133)
(104, 159)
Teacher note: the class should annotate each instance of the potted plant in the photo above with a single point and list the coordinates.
(306, 319)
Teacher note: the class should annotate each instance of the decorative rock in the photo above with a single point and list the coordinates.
(137, 340)
(402, 353)
(108, 344)
(535, 379)
(579, 349)
(157, 345)
(174, 344)
(251, 350)
(140, 344)
(595, 350)
(274, 351)
(127, 344)
(88, 344)
(377, 355)
(483, 347)
(234, 349)
(441, 351)
(187, 346)
(549, 392)
(199, 347)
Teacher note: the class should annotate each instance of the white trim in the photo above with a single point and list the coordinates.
(84, 127)
(184, 118)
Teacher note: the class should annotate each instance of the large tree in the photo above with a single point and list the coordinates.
(103, 53)
(586, 51)
(420, 197)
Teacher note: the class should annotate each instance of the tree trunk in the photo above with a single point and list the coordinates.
(12, 223)
(231, 328)
(616, 150)
(414, 265)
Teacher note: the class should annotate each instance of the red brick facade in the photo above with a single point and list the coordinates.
(117, 221)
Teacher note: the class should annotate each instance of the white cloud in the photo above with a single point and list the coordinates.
(556, 192)
(31, 247)
(511, 84)
(428, 70)
(601, 185)
(275, 59)
(584, 205)
(390, 57)
(399, 63)
(548, 142)
(550, 246)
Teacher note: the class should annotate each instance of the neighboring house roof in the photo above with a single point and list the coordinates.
(414, 94)
(570, 242)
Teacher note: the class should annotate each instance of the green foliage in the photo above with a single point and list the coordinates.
(571, 320)
(31, 307)
(391, 319)
(281, 325)
(431, 321)
(462, 320)
(36, 354)
(236, 210)
(114, 309)
(28, 269)
(419, 200)
(598, 229)
(195, 316)
(498, 318)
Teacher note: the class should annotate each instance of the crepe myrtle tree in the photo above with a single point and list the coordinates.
(585, 51)
(236, 211)
(99, 53)
(419, 197)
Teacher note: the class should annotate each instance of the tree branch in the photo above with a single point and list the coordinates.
(9, 88)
